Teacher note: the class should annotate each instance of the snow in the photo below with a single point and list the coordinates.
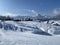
(29, 33)
(27, 38)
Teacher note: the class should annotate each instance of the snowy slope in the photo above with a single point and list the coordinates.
(24, 26)
(28, 33)
(27, 38)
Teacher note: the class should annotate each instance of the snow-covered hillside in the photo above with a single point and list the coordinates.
(24, 26)
(29, 33)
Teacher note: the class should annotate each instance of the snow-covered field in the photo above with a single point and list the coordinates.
(29, 33)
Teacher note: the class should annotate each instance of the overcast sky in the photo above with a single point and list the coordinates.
(29, 7)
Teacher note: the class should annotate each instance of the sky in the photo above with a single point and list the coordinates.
(29, 7)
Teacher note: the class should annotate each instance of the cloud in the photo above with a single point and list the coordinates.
(56, 11)
(9, 14)
(23, 12)
(34, 12)
(31, 11)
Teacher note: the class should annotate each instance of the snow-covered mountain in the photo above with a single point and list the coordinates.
(39, 17)
(33, 26)
(41, 30)
(29, 33)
